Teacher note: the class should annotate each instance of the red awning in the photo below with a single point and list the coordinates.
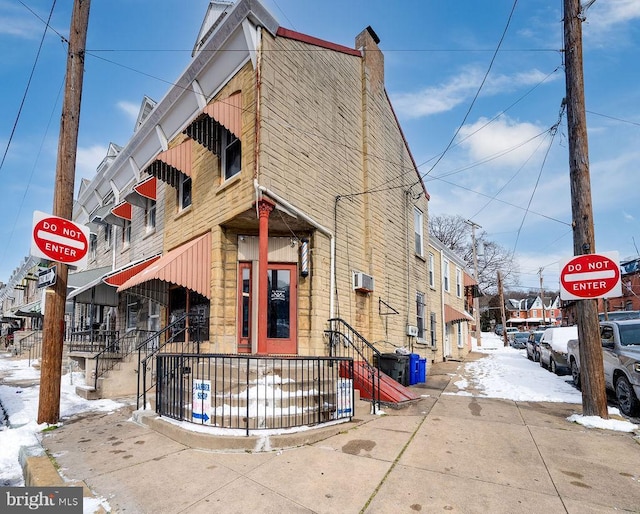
(178, 157)
(119, 277)
(452, 315)
(147, 188)
(188, 266)
(228, 113)
(122, 210)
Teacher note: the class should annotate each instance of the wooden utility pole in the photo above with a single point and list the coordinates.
(594, 398)
(504, 319)
(53, 330)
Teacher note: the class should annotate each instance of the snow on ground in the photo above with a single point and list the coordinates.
(503, 373)
(20, 405)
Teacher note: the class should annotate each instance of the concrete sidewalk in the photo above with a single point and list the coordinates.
(444, 453)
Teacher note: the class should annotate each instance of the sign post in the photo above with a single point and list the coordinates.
(590, 276)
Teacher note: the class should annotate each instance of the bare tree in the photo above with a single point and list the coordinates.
(455, 234)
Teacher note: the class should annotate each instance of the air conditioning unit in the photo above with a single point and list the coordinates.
(363, 282)
(412, 330)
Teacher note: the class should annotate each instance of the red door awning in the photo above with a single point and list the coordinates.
(452, 315)
(188, 265)
(227, 112)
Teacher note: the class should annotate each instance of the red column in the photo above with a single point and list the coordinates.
(265, 207)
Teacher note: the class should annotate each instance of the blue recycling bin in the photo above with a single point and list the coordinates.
(414, 368)
(422, 371)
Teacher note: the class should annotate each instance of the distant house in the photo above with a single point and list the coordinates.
(531, 312)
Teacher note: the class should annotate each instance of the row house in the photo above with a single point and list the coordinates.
(268, 196)
(269, 191)
(449, 303)
(531, 312)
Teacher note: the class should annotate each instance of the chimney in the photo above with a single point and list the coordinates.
(367, 42)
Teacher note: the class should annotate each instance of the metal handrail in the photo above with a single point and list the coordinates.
(344, 340)
(117, 350)
(167, 340)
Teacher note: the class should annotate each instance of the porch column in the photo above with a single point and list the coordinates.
(265, 207)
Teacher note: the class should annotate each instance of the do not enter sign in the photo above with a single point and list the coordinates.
(590, 276)
(59, 240)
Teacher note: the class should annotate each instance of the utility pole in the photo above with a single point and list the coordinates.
(544, 316)
(476, 301)
(504, 319)
(53, 330)
(594, 398)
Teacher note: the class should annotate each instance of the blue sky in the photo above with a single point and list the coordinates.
(506, 168)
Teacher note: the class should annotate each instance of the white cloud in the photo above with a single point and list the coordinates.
(512, 141)
(130, 109)
(461, 88)
(87, 161)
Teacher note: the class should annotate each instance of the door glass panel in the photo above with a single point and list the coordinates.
(278, 303)
(246, 301)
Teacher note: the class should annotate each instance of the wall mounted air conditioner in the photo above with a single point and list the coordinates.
(363, 282)
(412, 331)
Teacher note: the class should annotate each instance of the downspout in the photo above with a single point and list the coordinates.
(444, 319)
(281, 201)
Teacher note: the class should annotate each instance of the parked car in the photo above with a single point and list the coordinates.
(618, 315)
(519, 340)
(553, 348)
(510, 331)
(498, 330)
(621, 360)
(533, 345)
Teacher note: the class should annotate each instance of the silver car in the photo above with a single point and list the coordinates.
(553, 348)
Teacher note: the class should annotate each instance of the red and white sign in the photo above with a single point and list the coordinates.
(590, 276)
(59, 240)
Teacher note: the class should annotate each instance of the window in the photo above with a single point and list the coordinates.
(150, 215)
(445, 275)
(132, 313)
(418, 219)
(231, 155)
(184, 192)
(126, 233)
(432, 328)
(93, 246)
(432, 269)
(420, 314)
(460, 344)
(458, 283)
(107, 236)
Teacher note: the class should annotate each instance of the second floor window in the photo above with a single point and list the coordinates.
(107, 237)
(418, 220)
(445, 275)
(184, 192)
(432, 269)
(150, 215)
(231, 155)
(126, 233)
(93, 246)
(458, 283)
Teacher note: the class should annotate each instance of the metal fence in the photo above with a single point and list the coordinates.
(345, 341)
(92, 341)
(254, 392)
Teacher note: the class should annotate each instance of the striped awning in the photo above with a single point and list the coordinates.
(168, 165)
(452, 315)
(227, 112)
(145, 190)
(188, 266)
(119, 277)
(122, 210)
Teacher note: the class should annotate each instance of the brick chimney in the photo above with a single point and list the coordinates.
(367, 42)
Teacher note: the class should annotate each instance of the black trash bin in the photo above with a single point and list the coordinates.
(396, 366)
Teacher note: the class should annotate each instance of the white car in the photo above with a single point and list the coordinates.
(553, 348)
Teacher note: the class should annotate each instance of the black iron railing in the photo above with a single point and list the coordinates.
(181, 336)
(345, 341)
(249, 392)
(117, 350)
(26, 342)
(92, 341)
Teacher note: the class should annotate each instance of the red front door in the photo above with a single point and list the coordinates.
(282, 311)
